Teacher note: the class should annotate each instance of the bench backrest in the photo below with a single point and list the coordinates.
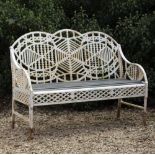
(68, 55)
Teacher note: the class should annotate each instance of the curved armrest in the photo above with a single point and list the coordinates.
(20, 77)
(133, 71)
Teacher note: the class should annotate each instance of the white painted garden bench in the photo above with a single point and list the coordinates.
(69, 67)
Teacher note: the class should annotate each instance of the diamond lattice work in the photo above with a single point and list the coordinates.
(101, 94)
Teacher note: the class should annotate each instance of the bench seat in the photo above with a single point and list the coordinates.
(83, 84)
(82, 91)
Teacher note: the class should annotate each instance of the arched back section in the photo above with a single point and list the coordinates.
(101, 55)
(67, 44)
(67, 55)
(34, 52)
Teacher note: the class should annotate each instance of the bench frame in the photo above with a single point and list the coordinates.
(22, 84)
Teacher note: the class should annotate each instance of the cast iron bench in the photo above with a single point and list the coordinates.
(69, 67)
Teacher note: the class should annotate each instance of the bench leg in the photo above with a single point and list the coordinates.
(144, 108)
(144, 115)
(30, 137)
(119, 108)
(30, 122)
(13, 115)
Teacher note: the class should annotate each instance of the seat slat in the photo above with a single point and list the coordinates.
(84, 84)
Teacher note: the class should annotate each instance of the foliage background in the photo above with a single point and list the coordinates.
(130, 22)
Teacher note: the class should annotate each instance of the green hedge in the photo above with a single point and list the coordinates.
(130, 22)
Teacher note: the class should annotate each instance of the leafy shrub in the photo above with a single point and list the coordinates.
(130, 22)
(81, 22)
(138, 42)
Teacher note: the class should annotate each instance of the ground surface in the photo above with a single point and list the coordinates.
(72, 131)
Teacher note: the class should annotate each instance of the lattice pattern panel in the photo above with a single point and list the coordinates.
(89, 95)
(52, 98)
(22, 97)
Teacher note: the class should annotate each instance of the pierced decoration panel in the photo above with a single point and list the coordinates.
(110, 93)
(52, 98)
(68, 97)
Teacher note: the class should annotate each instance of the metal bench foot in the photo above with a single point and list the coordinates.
(144, 117)
(31, 131)
(13, 122)
(119, 109)
(13, 115)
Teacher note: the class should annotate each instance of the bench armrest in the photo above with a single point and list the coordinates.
(133, 71)
(20, 77)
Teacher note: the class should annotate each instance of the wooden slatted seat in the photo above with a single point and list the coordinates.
(68, 67)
